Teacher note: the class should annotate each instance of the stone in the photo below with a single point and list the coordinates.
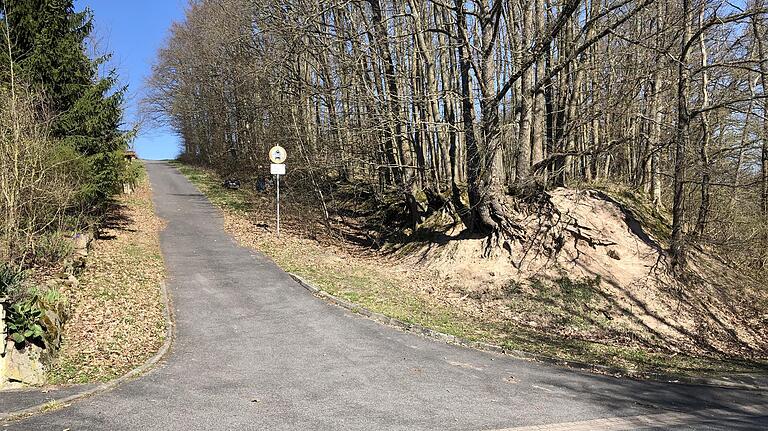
(24, 366)
(81, 243)
(3, 336)
(71, 281)
(3, 330)
(52, 322)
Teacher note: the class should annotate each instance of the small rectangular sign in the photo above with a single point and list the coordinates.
(277, 169)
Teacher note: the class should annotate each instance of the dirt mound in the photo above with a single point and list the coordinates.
(588, 269)
(589, 280)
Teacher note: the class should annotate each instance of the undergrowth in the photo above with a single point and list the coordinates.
(570, 305)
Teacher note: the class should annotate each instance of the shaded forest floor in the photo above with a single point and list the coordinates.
(603, 298)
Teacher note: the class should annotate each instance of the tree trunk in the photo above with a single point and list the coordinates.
(759, 35)
(706, 175)
(523, 168)
(407, 175)
(682, 131)
(485, 185)
(655, 144)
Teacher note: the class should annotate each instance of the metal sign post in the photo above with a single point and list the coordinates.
(277, 155)
(278, 204)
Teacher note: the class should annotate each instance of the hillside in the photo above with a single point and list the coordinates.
(393, 143)
(595, 272)
(589, 282)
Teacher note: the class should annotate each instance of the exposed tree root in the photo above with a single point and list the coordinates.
(536, 224)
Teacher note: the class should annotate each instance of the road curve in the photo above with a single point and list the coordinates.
(254, 350)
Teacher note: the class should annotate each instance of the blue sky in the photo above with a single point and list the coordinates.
(133, 31)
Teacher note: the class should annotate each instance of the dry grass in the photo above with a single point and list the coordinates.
(449, 286)
(117, 316)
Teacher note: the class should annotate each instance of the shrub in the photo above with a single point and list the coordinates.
(51, 248)
(10, 279)
(35, 317)
(34, 198)
(23, 321)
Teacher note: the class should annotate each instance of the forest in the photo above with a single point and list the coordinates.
(479, 107)
(62, 160)
(61, 144)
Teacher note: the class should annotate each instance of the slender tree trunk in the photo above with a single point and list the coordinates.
(742, 146)
(430, 81)
(472, 153)
(759, 35)
(706, 175)
(538, 124)
(655, 145)
(408, 177)
(682, 131)
(524, 158)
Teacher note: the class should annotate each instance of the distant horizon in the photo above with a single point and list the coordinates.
(133, 52)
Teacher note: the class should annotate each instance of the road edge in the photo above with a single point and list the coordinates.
(148, 365)
(737, 381)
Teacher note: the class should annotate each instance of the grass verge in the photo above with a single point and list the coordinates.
(390, 288)
(117, 318)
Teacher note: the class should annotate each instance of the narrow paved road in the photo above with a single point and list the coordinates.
(254, 350)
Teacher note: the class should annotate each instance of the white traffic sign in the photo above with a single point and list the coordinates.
(277, 154)
(277, 169)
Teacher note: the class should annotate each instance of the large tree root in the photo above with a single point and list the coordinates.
(536, 225)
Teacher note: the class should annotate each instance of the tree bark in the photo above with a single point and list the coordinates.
(706, 168)
(759, 36)
(682, 132)
(407, 174)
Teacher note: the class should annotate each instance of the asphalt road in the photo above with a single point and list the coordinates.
(254, 350)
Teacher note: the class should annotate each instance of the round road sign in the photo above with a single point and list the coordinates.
(277, 154)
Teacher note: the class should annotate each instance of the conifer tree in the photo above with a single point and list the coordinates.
(48, 52)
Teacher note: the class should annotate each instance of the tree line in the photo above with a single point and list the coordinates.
(470, 102)
(62, 149)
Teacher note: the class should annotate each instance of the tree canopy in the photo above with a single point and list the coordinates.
(46, 43)
(478, 101)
